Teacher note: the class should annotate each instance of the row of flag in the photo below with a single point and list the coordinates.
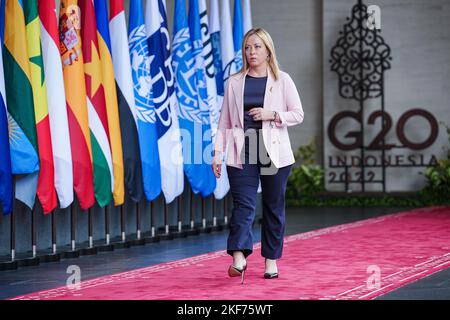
(91, 107)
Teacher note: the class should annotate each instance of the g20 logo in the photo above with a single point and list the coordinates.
(377, 142)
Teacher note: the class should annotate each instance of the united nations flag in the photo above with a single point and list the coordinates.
(193, 111)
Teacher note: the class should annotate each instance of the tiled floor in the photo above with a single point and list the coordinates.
(54, 274)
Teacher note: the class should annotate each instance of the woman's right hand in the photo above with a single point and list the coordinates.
(217, 164)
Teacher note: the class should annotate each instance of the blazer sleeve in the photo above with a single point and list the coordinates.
(294, 114)
(224, 124)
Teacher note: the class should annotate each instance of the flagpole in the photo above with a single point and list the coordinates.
(33, 232)
(152, 209)
(213, 226)
(166, 217)
(53, 256)
(180, 223)
(90, 228)
(53, 232)
(203, 213)
(225, 210)
(91, 250)
(214, 211)
(192, 230)
(206, 228)
(72, 227)
(107, 246)
(138, 222)
(167, 235)
(179, 233)
(107, 225)
(13, 223)
(122, 223)
(192, 210)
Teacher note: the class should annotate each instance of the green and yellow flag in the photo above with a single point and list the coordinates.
(19, 97)
(46, 184)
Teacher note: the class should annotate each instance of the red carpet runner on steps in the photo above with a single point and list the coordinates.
(340, 262)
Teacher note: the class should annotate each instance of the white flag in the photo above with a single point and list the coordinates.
(247, 16)
(223, 185)
(126, 100)
(226, 40)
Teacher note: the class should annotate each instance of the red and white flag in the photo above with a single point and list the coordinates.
(57, 110)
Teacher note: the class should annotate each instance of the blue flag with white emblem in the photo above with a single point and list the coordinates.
(205, 100)
(164, 100)
(215, 100)
(193, 112)
(238, 33)
(145, 110)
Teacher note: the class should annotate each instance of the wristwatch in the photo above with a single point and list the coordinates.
(275, 114)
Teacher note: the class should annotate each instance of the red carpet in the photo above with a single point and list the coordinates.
(330, 263)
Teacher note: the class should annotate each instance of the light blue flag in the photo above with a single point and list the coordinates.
(6, 184)
(204, 100)
(5, 161)
(214, 26)
(164, 100)
(247, 16)
(193, 115)
(238, 33)
(145, 110)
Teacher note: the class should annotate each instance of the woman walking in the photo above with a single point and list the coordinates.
(260, 102)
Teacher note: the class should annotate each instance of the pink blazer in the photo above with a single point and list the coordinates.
(281, 96)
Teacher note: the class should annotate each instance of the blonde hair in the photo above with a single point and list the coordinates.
(267, 40)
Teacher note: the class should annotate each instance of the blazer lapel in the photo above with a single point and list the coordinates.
(270, 89)
(238, 90)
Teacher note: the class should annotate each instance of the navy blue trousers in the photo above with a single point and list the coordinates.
(244, 187)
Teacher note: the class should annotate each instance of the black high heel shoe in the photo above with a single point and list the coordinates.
(271, 275)
(236, 272)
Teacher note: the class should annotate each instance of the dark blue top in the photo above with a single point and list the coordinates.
(254, 91)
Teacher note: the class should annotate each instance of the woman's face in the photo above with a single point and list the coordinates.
(256, 51)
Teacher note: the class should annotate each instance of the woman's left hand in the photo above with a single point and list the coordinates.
(261, 114)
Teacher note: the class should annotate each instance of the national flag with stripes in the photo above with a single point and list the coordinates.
(112, 108)
(19, 100)
(127, 107)
(75, 89)
(57, 110)
(97, 115)
(46, 184)
(143, 91)
(164, 100)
